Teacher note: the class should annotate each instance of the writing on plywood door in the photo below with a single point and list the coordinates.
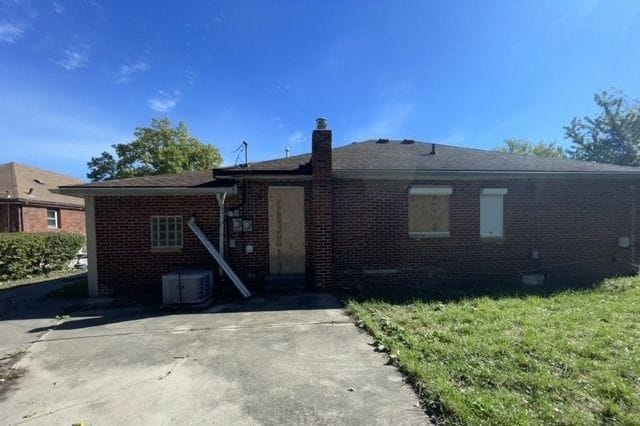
(286, 230)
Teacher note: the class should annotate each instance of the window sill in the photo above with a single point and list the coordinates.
(420, 235)
(166, 249)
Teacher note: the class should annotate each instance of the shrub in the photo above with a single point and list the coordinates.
(25, 254)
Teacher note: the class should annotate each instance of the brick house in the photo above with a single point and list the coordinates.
(28, 205)
(379, 212)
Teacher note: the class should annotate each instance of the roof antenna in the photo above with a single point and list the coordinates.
(246, 153)
(433, 149)
(286, 152)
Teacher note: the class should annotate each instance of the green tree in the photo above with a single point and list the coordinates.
(611, 137)
(526, 147)
(158, 149)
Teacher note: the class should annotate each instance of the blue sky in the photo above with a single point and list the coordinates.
(78, 76)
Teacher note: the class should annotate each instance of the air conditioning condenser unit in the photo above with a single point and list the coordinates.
(191, 286)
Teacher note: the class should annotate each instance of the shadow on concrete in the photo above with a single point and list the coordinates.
(87, 318)
(31, 301)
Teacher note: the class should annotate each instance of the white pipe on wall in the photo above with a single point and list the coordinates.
(221, 198)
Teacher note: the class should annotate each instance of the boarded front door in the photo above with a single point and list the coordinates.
(286, 230)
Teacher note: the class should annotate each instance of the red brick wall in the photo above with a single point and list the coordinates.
(73, 221)
(34, 219)
(126, 264)
(574, 225)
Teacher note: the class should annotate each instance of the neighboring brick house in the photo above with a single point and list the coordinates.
(378, 212)
(28, 205)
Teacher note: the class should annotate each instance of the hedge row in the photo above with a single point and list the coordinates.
(24, 254)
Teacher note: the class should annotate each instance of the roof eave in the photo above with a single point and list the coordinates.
(84, 191)
(42, 203)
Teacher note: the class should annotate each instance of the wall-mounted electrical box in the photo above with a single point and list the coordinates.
(247, 225)
(237, 225)
(248, 248)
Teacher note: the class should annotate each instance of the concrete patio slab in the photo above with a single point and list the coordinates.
(285, 360)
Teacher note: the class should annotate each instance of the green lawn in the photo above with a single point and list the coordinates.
(569, 358)
(41, 279)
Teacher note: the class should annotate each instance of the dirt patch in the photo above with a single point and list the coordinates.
(8, 372)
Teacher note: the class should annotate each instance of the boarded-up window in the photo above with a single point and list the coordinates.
(492, 212)
(429, 211)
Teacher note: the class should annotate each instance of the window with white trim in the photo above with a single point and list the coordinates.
(166, 232)
(53, 218)
(492, 212)
(429, 211)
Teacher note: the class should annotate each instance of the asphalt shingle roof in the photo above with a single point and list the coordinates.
(33, 185)
(176, 180)
(371, 156)
(416, 156)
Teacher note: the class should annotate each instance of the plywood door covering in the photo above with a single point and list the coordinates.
(286, 231)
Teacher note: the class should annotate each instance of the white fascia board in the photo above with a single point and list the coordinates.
(430, 190)
(494, 191)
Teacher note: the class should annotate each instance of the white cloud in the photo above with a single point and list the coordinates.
(388, 122)
(126, 71)
(296, 137)
(75, 57)
(164, 102)
(58, 8)
(9, 32)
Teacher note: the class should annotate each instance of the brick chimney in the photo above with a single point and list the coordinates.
(321, 206)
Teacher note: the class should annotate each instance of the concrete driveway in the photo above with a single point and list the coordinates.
(286, 360)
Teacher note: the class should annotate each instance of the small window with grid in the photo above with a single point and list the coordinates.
(166, 232)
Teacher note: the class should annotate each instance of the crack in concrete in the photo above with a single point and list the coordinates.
(178, 360)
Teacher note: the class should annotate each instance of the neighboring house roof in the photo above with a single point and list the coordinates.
(27, 184)
(374, 157)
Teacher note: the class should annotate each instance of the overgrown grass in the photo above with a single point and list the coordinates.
(41, 279)
(569, 358)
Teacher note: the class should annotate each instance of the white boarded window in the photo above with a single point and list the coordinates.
(492, 212)
(166, 232)
(429, 211)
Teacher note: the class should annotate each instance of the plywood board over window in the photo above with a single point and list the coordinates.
(429, 211)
